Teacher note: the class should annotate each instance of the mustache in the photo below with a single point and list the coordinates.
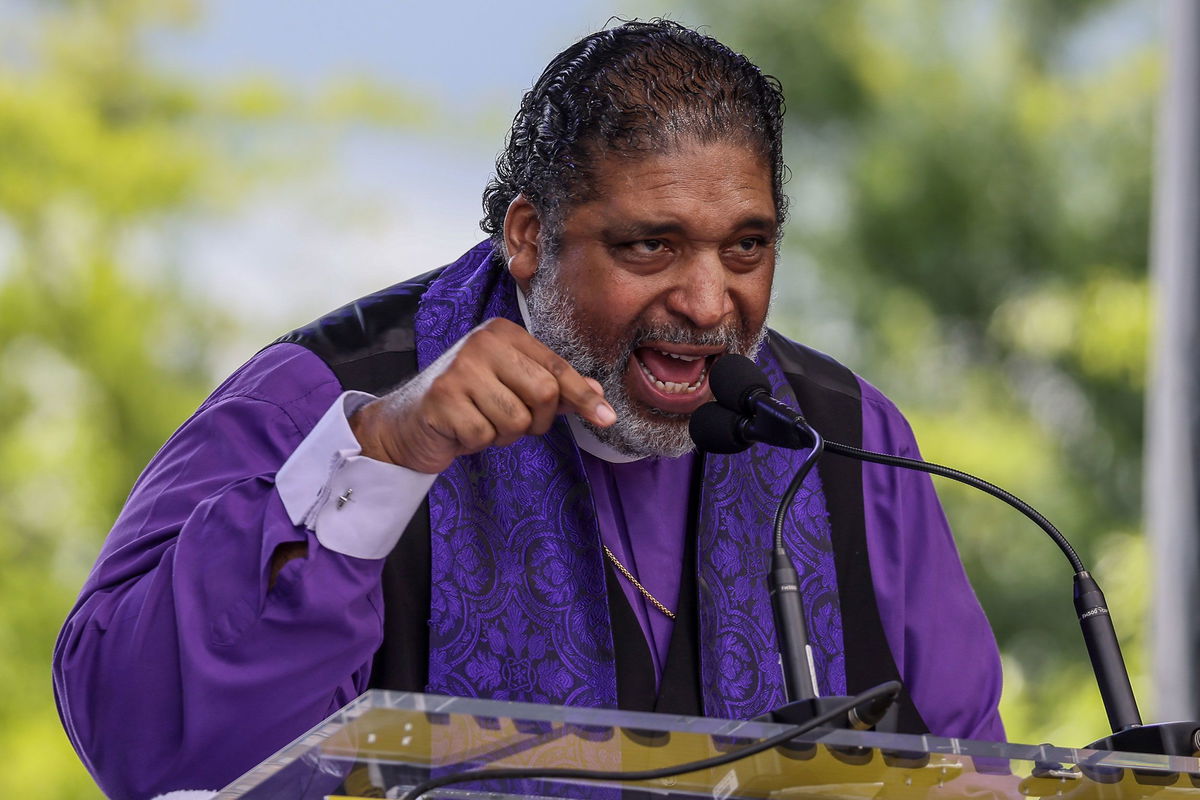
(734, 337)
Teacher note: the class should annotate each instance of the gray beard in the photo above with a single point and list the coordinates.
(640, 430)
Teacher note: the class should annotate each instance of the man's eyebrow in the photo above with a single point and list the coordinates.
(649, 230)
(765, 224)
(641, 230)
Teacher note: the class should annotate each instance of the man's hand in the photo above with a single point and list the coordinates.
(495, 385)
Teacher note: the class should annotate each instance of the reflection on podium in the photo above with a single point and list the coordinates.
(384, 743)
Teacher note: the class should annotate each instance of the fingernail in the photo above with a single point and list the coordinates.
(605, 414)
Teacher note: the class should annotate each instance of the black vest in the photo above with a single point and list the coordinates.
(370, 346)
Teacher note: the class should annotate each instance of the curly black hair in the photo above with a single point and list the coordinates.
(634, 89)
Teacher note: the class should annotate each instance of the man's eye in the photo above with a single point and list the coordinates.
(750, 244)
(648, 246)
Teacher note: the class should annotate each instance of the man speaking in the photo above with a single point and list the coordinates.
(479, 482)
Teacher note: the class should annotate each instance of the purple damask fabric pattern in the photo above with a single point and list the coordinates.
(518, 602)
(517, 609)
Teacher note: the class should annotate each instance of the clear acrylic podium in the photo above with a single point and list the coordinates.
(385, 742)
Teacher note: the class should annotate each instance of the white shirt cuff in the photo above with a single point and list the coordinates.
(355, 505)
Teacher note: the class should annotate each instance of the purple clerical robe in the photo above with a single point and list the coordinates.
(181, 665)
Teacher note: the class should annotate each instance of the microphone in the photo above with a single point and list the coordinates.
(745, 412)
(717, 429)
(737, 383)
(740, 386)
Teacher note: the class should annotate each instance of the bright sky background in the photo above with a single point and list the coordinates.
(393, 204)
(469, 52)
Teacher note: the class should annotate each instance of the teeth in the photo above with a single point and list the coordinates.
(680, 356)
(671, 387)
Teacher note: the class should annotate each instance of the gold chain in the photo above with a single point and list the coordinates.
(636, 584)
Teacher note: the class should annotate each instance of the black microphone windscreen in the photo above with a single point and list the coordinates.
(714, 429)
(733, 379)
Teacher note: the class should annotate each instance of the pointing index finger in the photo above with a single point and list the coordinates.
(581, 395)
(604, 412)
(577, 394)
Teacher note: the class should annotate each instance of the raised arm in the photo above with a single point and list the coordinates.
(236, 602)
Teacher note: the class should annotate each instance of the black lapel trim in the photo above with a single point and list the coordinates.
(831, 399)
(635, 669)
(679, 688)
(402, 660)
(679, 691)
(369, 345)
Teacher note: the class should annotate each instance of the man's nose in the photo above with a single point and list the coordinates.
(701, 293)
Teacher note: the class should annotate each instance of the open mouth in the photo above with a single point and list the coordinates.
(674, 379)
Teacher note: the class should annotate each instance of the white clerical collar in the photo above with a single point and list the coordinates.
(586, 440)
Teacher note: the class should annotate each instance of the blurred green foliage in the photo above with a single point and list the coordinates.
(99, 155)
(105, 160)
(971, 189)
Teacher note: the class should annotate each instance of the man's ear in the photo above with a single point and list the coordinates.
(521, 229)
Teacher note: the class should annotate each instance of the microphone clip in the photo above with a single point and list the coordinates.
(776, 423)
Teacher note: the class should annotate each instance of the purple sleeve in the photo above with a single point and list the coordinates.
(941, 640)
(178, 667)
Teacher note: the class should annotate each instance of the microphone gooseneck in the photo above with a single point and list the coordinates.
(970, 480)
(745, 413)
(739, 427)
(799, 671)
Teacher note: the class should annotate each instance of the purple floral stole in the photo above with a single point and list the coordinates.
(518, 606)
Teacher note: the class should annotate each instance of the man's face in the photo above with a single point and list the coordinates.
(669, 268)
